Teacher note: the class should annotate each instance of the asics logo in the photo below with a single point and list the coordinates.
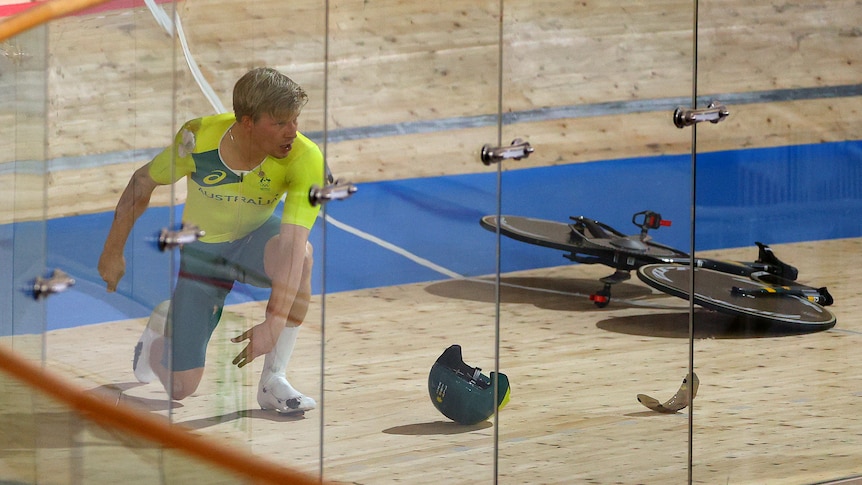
(215, 177)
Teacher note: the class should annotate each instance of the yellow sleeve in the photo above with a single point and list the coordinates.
(175, 161)
(306, 171)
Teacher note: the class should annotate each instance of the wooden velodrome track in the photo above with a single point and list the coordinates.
(773, 407)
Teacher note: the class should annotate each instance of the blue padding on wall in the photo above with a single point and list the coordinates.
(779, 195)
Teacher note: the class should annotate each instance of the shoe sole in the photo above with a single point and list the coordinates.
(144, 379)
(138, 348)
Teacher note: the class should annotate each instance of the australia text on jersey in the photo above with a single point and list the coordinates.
(238, 198)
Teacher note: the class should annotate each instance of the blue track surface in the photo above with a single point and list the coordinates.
(774, 195)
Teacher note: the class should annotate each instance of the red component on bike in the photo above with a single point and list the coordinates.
(599, 298)
(651, 220)
(654, 221)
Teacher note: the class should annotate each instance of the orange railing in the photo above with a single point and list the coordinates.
(41, 13)
(149, 427)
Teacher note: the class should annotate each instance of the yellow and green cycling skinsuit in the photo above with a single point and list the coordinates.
(235, 211)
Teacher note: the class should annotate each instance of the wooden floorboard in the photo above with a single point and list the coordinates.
(116, 81)
(774, 406)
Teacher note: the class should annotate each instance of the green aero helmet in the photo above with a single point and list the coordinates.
(462, 393)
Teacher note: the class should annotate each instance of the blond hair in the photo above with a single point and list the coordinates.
(266, 91)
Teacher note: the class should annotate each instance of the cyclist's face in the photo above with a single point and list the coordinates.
(275, 134)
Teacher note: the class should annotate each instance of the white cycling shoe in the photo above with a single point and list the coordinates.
(155, 329)
(277, 394)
